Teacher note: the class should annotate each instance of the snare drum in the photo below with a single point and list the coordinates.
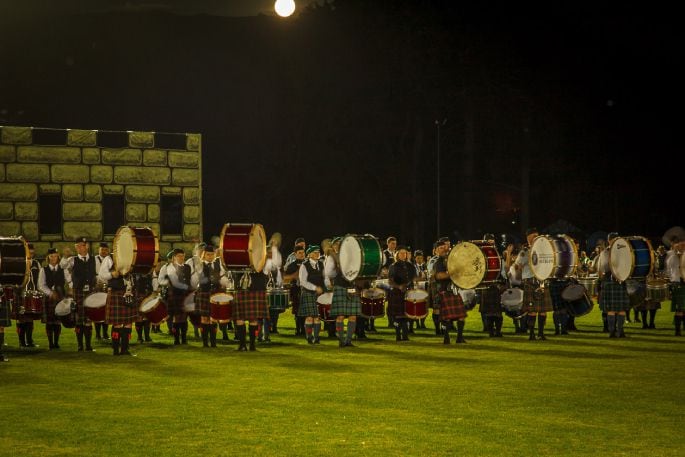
(553, 256)
(631, 257)
(416, 304)
(15, 265)
(135, 250)
(154, 308)
(278, 299)
(657, 290)
(65, 311)
(590, 284)
(573, 292)
(324, 302)
(95, 306)
(372, 303)
(32, 303)
(471, 263)
(512, 303)
(243, 246)
(220, 306)
(361, 256)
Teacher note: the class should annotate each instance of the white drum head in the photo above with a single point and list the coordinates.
(416, 295)
(221, 298)
(325, 298)
(350, 258)
(512, 297)
(63, 308)
(542, 257)
(466, 265)
(149, 303)
(621, 258)
(374, 293)
(467, 295)
(257, 247)
(189, 303)
(573, 292)
(95, 300)
(124, 245)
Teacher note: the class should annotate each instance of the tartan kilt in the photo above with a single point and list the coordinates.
(250, 305)
(5, 320)
(295, 298)
(451, 306)
(117, 311)
(396, 306)
(490, 300)
(81, 318)
(344, 303)
(174, 302)
(613, 297)
(308, 306)
(49, 317)
(433, 298)
(677, 297)
(556, 287)
(535, 299)
(202, 305)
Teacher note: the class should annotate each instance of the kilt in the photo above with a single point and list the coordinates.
(174, 302)
(535, 299)
(5, 320)
(202, 305)
(451, 306)
(638, 298)
(677, 297)
(118, 312)
(295, 298)
(433, 299)
(490, 300)
(344, 303)
(613, 297)
(49, 317)
(555, 288)
(250, 305)
(81, 317)
(308, 306)
(396, 307)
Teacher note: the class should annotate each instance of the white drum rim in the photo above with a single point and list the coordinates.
(411, 295)
(228, 298)
(257, 252)
(150, 304)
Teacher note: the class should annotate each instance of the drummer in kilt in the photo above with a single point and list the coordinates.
(121, 310)
(178, 274)
(433, 288)
(677, 282)
(292, 274)
(560, 306)
(209, 278)
(25, 321)
(312, 285)
(83, 281)
(613, 296)
(345, 303)
(5, 320)
(401, 275)
(52, 282)
(450, 304)
(250, 305)
(537, 300)
(490, 299)
(142, 288)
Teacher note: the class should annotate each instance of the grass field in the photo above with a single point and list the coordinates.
(581, 394)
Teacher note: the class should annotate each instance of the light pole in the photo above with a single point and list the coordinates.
(438, 124)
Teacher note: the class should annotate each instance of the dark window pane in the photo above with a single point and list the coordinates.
(50, 214)
(171, 215)
(114, 213)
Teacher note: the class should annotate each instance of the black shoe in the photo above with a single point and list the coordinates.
(542, 337)
(317, 340)
(80, 349)
(310, 340)
(341, 343)
(651, 326)
(90, 349)
(140, 341)
(622, 335)
(3, 359)
(127, 353)
(612, 335)
(460, 340)
(56, 346)
(532, 337)
(349, 344)
(106, 338)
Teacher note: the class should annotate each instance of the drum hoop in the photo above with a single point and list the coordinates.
(250, 246)
(27, 270)
(147, 299)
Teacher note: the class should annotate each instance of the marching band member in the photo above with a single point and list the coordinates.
(451, 305)
(195, 263)
(536, 300)
(388, 259)
(559, 305)
(52, 282)
(613, 296)
(312, 284)
(292, 274)
(163, 285)
(121, 309)
(401, 275)
(272, 268)
(250, 306)
(103, 252)
(345, 304)
(83, 282)
(293, 255)
(421, 275)
(677, 284)
(25, 322)
(178, 274)
(142, 288)
(208, 279)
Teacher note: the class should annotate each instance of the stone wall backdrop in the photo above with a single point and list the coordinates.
(73, 172)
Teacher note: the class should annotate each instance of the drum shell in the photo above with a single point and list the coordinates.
(553, 256)
(573, 292)
(415, 309)
(65, 311)
(581, 307)
(221, 311)
(95, 306)
(14, 262)
(144, 252)
(370, 259)
(32, 303)
(512, 302)
(325, 312)
(658, 290)
(157, 313)
(243, 246)
(472, 263)
(372, 307)
(590, 284)
(278, 299)
(631, 258)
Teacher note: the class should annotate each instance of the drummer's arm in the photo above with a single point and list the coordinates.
(105, 274)
(42, 283)
(173, 279)
(305, 283)
(329, 272)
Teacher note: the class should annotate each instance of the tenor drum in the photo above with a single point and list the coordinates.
(278, 299)
(94, 305)
(512, 303)
(135, 250)
(590, 284)
(573, 292)
(32, 303)
(468, 296)
(221, 308)
(243, 246)
(360, 257)
(324, 302)
(553, 256)
(581, 307)
(189, 303)
(657, 290)
(65, 311)
(631, 257)
(471, 263)
(372, 303)
(15, 265)
(416, 304)
(154, 308)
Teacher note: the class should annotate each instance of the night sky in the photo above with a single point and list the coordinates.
(325, 123)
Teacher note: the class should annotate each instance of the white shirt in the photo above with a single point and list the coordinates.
(172, 275)
(524, 265)
(198, 276)
(304, 275)
(42, 280)
(162, 278)
(104, 273)
(673, 266)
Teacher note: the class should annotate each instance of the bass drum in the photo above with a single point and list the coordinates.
(631, 257)
(553, 256)
(15, 265)
(361, 257)
(243, 246)
(471, 263)
(135, 250)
